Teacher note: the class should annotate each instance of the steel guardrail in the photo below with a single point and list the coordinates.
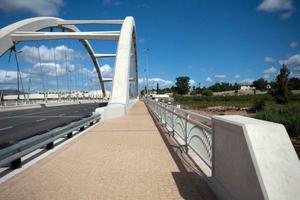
(194, 132)
(17, 151)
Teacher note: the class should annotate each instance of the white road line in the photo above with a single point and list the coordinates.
(9, 127)
(75, 111)
(39, 120)
(61, 114)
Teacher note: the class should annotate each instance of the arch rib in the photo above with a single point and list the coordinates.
(119, 102)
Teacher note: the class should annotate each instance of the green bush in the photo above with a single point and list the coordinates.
(207, 93)
(258, 104)
(286, 115)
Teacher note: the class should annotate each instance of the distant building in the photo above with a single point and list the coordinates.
(160, 97)
(247, 87)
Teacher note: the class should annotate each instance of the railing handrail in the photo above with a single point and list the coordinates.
(202, 117)
(207, 119)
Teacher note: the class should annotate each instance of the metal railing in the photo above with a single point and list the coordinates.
(12, 154)
(193, 130)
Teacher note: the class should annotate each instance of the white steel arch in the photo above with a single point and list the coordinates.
(126, 54)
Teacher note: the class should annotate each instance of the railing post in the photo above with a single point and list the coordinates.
(173, 131)
(165, 109)
(50, 145)
(16, 163)
(69, 135)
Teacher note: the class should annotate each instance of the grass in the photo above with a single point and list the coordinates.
(200, 102)
(289, 116)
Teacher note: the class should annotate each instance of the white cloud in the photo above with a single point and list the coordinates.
(192, 82)
(266, 76)
(275, 5)
(143, 5)
(46, 54)
(10, 76)
(111, 2)
(106, 71)
(141, 40)
(38, 7)
(292, 60)
(270, 70)
(153, 81)
(247, 81)
(50, 68)
(220, 76)
(294, 44)
(293, 63)
(208, 79)
(237, 76)
(269, 59)
(286, 15)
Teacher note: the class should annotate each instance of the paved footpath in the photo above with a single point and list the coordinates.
(123, 158)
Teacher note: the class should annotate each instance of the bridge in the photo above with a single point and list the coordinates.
(140, 149)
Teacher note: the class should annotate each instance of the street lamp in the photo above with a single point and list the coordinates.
(146, 51)
(19, 78)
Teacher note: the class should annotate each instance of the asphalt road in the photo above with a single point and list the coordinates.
(20, 124)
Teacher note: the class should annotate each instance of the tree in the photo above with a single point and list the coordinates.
(260, 84)
(294, 83)
(182, 85)
(157, 88)
(282, 91)
(221, 87)
(194, 92)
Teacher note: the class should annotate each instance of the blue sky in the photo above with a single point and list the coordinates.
(209, 41)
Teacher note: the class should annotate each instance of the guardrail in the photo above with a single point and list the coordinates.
(12, 154)
(193, 130)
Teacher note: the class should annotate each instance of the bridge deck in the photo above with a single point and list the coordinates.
(124, 158)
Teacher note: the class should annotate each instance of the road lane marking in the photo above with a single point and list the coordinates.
(39, 120)
(75, 111)
(48, 109)
(9, 127)
(61, 114)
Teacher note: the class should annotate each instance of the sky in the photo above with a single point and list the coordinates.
(209, 41)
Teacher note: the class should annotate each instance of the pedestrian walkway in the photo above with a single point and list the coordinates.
(122, 158)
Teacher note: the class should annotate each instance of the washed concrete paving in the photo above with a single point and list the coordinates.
(123, 158)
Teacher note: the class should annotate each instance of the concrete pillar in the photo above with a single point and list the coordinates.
(253, 159)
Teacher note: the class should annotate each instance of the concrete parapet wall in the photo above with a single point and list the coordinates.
(253, 159)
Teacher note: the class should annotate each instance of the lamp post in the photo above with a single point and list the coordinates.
(19, 78)
(146, 51)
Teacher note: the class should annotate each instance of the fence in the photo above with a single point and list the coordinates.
(193, 130)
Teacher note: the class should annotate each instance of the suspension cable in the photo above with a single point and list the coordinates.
(41, 71)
